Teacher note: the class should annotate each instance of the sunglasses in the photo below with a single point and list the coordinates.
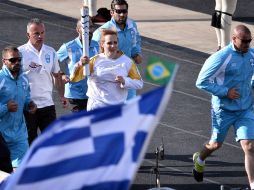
(119, 11)
(245, 41)
(14, 59)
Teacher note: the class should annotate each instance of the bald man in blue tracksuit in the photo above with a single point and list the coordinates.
(227, 75)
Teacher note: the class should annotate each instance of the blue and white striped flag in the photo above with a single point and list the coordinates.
(101, 149)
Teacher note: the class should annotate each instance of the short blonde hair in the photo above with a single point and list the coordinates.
(105, 32)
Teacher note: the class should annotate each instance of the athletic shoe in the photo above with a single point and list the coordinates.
(198, 170)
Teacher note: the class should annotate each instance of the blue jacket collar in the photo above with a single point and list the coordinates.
(8, 73)
(129, 24)
(78, 42)
(234, 49)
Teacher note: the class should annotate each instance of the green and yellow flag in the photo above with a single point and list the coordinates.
(159, 71)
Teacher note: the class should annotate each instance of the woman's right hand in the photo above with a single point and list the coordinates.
(84, 60)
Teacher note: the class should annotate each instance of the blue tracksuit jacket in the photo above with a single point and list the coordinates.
(12, 124)
(69, 54)
(226, 69)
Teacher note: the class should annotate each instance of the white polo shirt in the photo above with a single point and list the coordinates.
(38, 66)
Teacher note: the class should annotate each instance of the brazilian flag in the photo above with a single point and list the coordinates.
(159, 71)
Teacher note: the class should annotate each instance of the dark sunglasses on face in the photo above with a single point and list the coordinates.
(119, 11)
(14, 59)
(245, 41)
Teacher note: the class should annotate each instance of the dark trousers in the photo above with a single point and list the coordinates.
(78, 104)
(41, 119)
(5, 159)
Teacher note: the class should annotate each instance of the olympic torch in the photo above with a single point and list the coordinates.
(85, 34)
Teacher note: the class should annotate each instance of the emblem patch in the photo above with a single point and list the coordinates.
(47, 58)
(24, 85)
(252, 62)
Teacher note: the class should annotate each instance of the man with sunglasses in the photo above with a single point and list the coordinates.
(227, 75)
(41, 65)
(15, 98)
(129, 41)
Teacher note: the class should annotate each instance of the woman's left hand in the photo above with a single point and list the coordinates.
(120, 80)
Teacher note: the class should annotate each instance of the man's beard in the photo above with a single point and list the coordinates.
(15, 69)
(121, 21)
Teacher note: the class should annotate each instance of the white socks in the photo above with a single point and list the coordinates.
(200, 162)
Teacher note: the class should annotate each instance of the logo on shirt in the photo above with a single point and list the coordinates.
(132, 33)
(252, 62)
(24, 85)
(78, 53)
(47, 58)
(233, 64)
(133, 36)
(35, 67)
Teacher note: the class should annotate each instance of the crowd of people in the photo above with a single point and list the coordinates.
(26, 106)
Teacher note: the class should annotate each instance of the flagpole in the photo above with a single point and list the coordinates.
(85, 33)
(162, 107)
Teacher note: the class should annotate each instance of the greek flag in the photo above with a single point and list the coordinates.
(101, 149)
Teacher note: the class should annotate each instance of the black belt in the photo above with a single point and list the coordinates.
(224, 13)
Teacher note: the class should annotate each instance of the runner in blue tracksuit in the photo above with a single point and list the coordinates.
(129, 41)
(227, 75)
(15, 98)
(224, 70)
(69, 54)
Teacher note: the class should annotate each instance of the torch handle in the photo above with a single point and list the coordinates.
(85, 36)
